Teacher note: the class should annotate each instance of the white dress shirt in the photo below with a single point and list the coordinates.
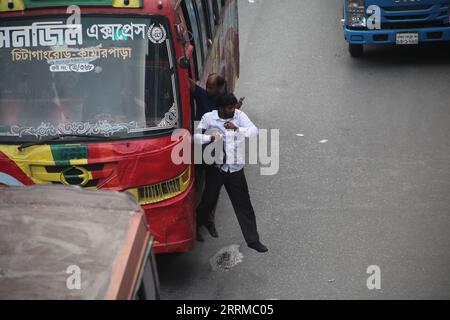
(232, 139)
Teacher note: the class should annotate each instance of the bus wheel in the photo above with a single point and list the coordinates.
(356, 50)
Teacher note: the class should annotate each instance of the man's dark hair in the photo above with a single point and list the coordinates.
(226, 99)
(222, 83)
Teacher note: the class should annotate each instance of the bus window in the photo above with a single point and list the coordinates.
(202, 23)
(189, 12)
(221, 4)
(207, 5)
(216, 11)
(130, 90)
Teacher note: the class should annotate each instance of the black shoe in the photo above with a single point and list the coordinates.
(258, 246)
(212, 229)
(199, 235)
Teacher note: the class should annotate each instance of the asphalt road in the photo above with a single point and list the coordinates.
(376, 193)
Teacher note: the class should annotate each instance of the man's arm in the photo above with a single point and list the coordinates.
(246, 126)
(202, 138)
(240, 103)
(193, 85)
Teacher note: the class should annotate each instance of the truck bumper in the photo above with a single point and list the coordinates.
(388, 36)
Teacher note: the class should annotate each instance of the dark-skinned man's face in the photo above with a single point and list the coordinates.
(228, 111)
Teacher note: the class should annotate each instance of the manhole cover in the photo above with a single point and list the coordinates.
(226, 258)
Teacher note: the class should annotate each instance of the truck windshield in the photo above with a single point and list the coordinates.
(101, 75)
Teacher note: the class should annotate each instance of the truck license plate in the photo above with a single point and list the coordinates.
(407, 38)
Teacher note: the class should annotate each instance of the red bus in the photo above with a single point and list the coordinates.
(92, 90)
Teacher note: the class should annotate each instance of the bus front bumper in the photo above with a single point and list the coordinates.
(172, 223)
(389, 36)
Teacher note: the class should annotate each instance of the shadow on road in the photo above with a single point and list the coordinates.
(175, 269)
(404, 56)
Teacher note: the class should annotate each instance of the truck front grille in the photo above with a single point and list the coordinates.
(388, 9)
(413, 25)
(414, 16)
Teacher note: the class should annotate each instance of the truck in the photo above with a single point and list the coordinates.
(395, 22)
(69, 243)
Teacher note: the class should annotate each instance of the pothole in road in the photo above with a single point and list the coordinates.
(227, 258)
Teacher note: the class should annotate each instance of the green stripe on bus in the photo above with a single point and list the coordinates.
(65, 3)
(62, 154)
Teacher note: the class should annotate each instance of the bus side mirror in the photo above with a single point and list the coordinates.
(184, 62)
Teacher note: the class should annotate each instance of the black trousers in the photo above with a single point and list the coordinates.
(200, 176)
(237, 189)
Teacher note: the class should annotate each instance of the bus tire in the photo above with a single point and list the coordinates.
(356, 50)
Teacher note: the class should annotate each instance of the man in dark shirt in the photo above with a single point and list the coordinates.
(205, 98)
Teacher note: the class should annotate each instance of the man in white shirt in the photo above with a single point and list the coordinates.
(233, 126)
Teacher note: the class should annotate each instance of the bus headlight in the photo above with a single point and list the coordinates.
(162, 191)
(356, 13)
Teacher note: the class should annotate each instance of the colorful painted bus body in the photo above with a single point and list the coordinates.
(399, 22)
(90, 96)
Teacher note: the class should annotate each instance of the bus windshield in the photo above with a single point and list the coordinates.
(103, 75)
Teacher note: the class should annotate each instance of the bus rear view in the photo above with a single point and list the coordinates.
(399, 22)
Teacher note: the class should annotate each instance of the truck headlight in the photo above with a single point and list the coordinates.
(356, 13)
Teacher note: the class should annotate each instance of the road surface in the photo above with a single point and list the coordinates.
(364, 174)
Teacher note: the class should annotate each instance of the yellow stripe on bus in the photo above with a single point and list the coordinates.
(18, 6)
(121, 4)
(24, 158)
